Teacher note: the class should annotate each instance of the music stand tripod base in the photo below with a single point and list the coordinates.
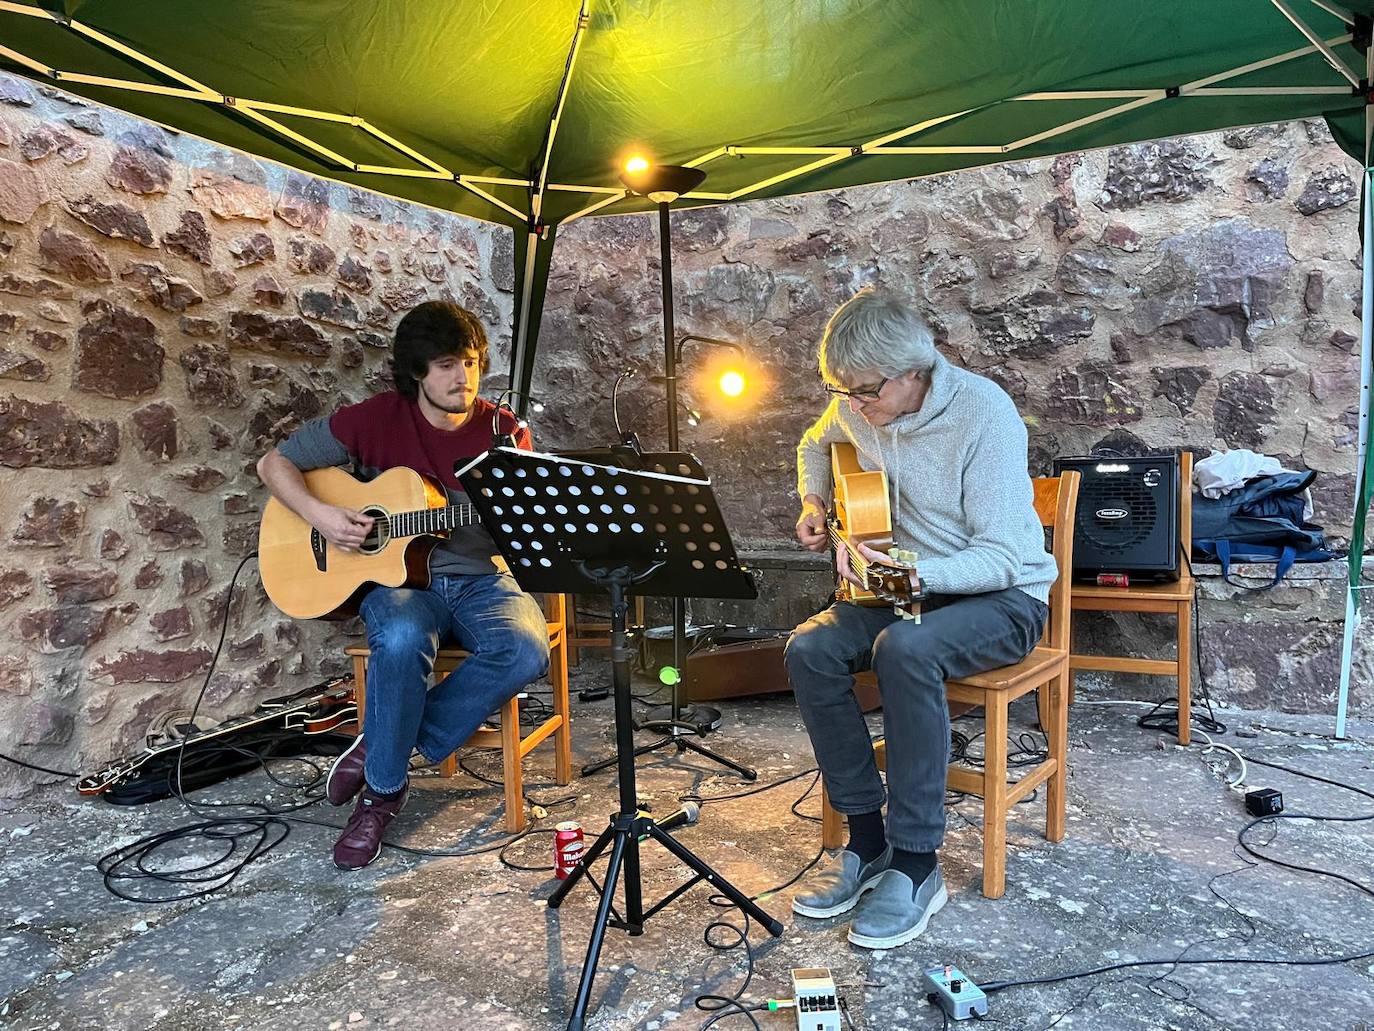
(562, 527)
(680, 733)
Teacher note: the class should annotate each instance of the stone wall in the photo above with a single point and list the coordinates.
(1201, 292)
(168, 311)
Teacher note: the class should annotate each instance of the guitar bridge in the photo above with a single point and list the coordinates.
(317, 546)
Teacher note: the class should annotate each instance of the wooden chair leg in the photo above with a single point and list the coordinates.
(562, 737)
(1185, 673)
(449, 767)
(995, 797)
(511, 772)
(832, 823)
(1072, 690)
(360, 687)
(571, 632)
(1057, 733)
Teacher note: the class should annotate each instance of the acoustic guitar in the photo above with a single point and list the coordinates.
(307, 577)
(860, 514)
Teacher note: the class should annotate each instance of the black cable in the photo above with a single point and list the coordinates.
(708, 799)
(262, 831)
(721, 1006)
(1182, 960)
(1244, 831)
(1164, 715)
(40, 769)
(729, 1005)
(259, 831)
(533, 802)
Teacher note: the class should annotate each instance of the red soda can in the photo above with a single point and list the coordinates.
(568, 848)
(1113, 580)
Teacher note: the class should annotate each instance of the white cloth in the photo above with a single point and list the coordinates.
(1223, 471)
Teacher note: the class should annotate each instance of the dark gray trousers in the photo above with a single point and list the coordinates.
(958, 635)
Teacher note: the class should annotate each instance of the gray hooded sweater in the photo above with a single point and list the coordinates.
(958, 487)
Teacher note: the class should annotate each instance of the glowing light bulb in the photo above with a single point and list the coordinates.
(636, 164)
(731, 383)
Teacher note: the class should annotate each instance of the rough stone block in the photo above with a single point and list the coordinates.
(117, 353)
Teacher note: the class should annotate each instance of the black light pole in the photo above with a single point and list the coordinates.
(664, 184)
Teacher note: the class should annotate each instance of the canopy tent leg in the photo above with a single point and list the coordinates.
(533, 252)
(1355, 559)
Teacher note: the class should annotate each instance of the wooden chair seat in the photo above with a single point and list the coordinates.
(507, 737)
(1029, 673)
(1045, 671)
(1165, 595)
(1175, 598)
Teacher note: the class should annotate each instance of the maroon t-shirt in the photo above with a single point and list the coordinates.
(389, 430)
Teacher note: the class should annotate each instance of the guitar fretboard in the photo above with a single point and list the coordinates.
(432, 520)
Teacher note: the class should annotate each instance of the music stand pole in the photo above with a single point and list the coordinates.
(563, 526)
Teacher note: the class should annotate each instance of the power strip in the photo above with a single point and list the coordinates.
(955, 993)
(817, 1002)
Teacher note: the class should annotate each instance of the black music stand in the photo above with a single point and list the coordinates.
(681, 726)
(567, 526)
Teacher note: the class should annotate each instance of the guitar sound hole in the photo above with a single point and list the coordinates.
(380, 535)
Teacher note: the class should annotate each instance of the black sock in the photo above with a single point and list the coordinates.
(916, 865)
(867, 835)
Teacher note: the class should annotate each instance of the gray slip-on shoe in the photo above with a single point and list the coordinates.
(897, 910)
(839, 886)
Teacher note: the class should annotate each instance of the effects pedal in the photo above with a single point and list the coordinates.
(955, 993)
(817, 1002)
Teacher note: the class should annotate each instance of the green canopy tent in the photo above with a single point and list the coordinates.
(520, 111)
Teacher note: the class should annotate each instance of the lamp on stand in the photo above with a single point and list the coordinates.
(664, 184)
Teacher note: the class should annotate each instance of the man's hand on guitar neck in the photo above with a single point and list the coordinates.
(811, 525)
(846, 570)
(341, 527)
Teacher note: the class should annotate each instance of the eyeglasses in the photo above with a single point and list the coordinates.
(863, 395)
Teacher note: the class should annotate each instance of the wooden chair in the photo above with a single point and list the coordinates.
(595, 634)
(1045, 671)
(1175, 598)
(514, 747)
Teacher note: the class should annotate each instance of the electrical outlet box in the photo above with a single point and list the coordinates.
(955, 993)
(817, 1002)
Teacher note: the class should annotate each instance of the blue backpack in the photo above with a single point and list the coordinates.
(1259, 522)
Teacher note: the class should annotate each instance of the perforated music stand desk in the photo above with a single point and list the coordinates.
(682, 727)
(570, 526)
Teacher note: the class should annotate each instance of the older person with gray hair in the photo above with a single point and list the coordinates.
(954, 451)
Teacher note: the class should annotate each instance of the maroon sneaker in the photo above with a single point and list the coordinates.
(361, 840)
(346, 775)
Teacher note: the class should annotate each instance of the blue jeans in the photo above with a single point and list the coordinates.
(489, 616)
(958, 635)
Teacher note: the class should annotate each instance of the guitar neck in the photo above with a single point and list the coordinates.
(433, 520)
(840, 539)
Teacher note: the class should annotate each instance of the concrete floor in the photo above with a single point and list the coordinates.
(468, 943)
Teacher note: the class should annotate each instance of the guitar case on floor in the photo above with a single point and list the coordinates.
(213, 761)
